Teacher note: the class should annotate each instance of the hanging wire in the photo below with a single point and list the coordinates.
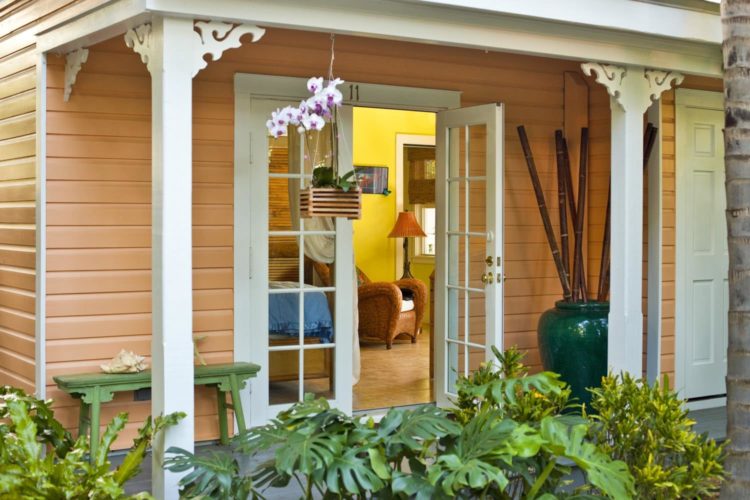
(330, 66)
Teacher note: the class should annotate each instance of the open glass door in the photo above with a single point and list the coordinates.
(469, 263)
(297, 310)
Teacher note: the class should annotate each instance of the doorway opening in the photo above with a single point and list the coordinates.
(394, 157)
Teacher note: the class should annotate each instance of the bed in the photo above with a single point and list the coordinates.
(284, 330)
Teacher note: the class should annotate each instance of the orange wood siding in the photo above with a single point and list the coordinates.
(99, 187)
(19, 21)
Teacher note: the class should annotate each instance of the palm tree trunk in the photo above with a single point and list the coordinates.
(736, 25)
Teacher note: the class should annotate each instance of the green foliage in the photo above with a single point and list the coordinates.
(214, 476)
(324, 176)
(505, 385)
(40, 460)
(648, 428)
(480, 451)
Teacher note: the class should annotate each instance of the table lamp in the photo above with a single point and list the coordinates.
(406, 227)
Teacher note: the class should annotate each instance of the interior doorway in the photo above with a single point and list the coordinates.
(394, 157)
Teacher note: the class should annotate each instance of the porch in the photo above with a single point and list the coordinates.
(123, 209)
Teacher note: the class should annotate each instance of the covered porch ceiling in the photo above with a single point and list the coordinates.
(681, 40)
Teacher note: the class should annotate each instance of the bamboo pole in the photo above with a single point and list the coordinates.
(569, 181)
(579, 275)
(544, 212)
(603, 287)
(562, 208)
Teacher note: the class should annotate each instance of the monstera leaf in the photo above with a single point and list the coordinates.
(489, 437)
(414, 486)
(307, 452)
(216, 475)
(351, 472)
(610, 476)
(453, 474)
(411, 429)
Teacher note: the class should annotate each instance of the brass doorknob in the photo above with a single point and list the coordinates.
(488, 260)
(487, 278)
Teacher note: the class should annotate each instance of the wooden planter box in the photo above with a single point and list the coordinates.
(330, 202)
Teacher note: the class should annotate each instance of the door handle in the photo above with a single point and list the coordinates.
(487, 278)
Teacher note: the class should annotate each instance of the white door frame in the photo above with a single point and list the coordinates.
(248, 87)
(401, 141)
(684, 99)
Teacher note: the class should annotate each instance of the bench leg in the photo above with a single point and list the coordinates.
(83, 418)
(221, 398)
(237, 404)
(95, 412)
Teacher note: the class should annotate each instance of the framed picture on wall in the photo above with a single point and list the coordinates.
(372, 180)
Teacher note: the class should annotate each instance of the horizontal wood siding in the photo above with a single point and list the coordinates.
(19, 21)
(99, 188)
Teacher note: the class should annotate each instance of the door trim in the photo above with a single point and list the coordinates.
(403, 140)
(248, 87)
(685, 99)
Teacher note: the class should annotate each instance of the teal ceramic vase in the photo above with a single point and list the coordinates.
(573, 342)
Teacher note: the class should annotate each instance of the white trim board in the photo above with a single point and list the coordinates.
(401, 141)
(668, 21)
(654, 228)
(684, 98)
(40, 285)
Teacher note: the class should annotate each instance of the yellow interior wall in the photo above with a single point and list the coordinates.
(375, 145)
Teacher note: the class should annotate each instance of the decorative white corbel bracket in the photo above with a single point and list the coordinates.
(609, 75)
(139, 39)
(211, 38)
(634, 88)
(73, 62)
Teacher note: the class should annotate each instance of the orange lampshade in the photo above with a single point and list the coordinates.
(406, 226)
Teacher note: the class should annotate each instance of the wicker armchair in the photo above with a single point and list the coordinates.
(380, 316)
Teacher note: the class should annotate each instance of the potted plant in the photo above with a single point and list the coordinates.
(572, 336)
(330, 193)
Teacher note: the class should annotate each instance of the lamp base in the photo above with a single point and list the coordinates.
(407, 265)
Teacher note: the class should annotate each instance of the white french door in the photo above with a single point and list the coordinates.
(469, 262)
(294, 313)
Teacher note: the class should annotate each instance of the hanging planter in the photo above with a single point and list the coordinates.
(330, 194)
(330, 202)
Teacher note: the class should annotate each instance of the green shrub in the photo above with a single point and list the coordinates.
(506, 386)
(507, 441)
(648, 428)
(40, 460)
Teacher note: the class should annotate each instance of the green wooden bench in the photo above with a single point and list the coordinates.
(93, 389)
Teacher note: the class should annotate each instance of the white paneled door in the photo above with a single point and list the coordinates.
(469, 262)
(702, 253)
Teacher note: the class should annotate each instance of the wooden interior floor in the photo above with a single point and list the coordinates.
(395, 377)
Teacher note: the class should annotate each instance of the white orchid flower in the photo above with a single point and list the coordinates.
(313, 122)
(315, 84)
(278, 131)
(317, 104)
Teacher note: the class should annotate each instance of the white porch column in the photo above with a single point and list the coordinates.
(173, 50)
(632, 89)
